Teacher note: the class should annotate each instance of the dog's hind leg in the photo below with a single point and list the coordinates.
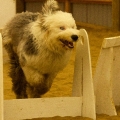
(18, 80)
(16, 73)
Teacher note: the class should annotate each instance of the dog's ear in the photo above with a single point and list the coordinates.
(50, 7)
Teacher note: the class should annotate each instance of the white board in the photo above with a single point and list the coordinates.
(42, 107)
(1, 79)
(103, 83)
(83, 82)
(81, 104)
(111, 42)
(116, 75)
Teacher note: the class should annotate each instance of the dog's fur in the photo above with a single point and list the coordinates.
(39, 46)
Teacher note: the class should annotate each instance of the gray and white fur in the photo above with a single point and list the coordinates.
(39, 46)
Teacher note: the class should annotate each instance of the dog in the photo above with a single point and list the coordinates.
(39, 45)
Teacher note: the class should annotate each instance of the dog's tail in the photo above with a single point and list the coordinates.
(50, 7)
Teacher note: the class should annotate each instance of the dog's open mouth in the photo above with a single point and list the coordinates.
(67, 43)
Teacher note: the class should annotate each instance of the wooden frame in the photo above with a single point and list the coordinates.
(20, 4)
(1, 80)
(106, 77)
(78, 1)
(82, 102)
(116, 14)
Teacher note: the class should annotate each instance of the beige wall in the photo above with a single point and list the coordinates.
(7, 10)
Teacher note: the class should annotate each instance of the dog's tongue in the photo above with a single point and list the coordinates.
(69, 44)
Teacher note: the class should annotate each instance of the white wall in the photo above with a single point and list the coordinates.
(7, 11)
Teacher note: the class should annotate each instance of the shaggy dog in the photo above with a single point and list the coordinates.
(39, 46)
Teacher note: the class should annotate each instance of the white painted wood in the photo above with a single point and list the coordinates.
(1, 79)
(102, 83)
(111, 42)
(116, 75)
(77, 89)
(64, 106)
(83, 100)
(83, 83)
(42, 107)
(114, 42)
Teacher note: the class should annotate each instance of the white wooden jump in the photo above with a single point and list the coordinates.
(83, 83)
(1, 80)
(82, 102)
(107, 77)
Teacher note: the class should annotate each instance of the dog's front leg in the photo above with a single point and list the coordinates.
(38, 84)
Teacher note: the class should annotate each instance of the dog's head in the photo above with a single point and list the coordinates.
(58, 27)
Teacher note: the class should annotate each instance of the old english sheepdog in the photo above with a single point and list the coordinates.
(39, 46)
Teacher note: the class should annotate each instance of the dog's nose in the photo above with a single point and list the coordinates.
(74, 37)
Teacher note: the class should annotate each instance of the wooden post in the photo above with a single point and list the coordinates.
(116, 14)
(20, 6)
(106, 77)
(1, 80)
(19, 109)
(67, 6)
(80, 104)
(102, 83)
(83, 82)
(116, 76)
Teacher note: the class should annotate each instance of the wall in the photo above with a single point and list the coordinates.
(37, 6)
(7, 11)
(97, 14)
